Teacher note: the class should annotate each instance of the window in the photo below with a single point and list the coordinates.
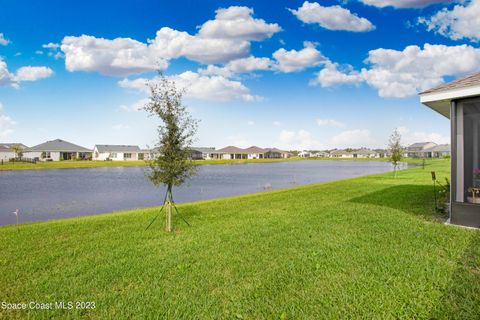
(141, 156)
(471, 147)
(112, 155)
(127, 156)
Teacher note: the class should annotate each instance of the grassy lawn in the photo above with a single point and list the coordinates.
(363, 248)
(94, 164)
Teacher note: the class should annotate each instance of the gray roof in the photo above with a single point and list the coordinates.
(364, 151)
(9, 145)
(470, 81)
(58, 145)
(439, 148)
(204, 149)
(116, 148)
(232, 149)
(276, 150)
(255, 149)
(338, 152)
(4, 149)
(419, 144)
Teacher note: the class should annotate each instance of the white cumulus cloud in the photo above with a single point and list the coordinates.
(27, 73)
(197, 86)
(463, 21)
(330, 76)
(398, 74)
(293, 60)
(409, 137)
(298, 140)
(30, 73)
(237, 23)
(3, 40)
(332, 18)
(238, 66)
(403, 3)
(221, 40)
(357, 138)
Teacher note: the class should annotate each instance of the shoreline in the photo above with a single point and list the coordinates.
(19, 166)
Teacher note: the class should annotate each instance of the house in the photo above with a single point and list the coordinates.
(195, 154)
(364, 153)
(232, 152)
(274, 153)
(321, 154)
(209, 153)
(381, 153)
(459, 101)
(116, 152)
(340, 154)
(254, 152)
(7, 153)
(417, 150)
(304, 154)
(438, 151)
(145, 154)
(57, 150)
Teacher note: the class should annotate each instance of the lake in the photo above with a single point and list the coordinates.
(62, 193)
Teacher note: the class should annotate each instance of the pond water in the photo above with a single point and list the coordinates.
(61, 193)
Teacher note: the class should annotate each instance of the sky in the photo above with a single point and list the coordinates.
(285, 73)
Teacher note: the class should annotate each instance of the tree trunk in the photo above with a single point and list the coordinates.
(168, 210)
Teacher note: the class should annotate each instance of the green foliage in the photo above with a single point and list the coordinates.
(17, 149)
(395, 149)
(171, 164)
(363, 248)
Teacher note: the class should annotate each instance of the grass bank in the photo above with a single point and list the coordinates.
(96, 164)
(363, 248)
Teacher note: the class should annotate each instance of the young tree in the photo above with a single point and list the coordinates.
(396, 150)
(17, 149)
(171, 164)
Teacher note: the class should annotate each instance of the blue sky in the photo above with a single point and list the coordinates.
(291, 74)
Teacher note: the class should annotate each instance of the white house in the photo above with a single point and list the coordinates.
(117, 152)
(206, 153)
(274, 153)
(364, 153)
(57, 150)
(321, 154)
(232, 152)
(340, 154)
(6, 153)
(304, 154)
(417, 150)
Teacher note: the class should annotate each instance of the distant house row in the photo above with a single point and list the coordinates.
(232, 152)
(416, 150)
(345, 153)
(427, 150)
(57, 150)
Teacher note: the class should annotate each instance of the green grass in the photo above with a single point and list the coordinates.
(71, 164)
(362, 248)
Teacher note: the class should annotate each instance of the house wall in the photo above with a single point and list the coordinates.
(119, 156)
(54, 155)
(5, 156)
(255, 156)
